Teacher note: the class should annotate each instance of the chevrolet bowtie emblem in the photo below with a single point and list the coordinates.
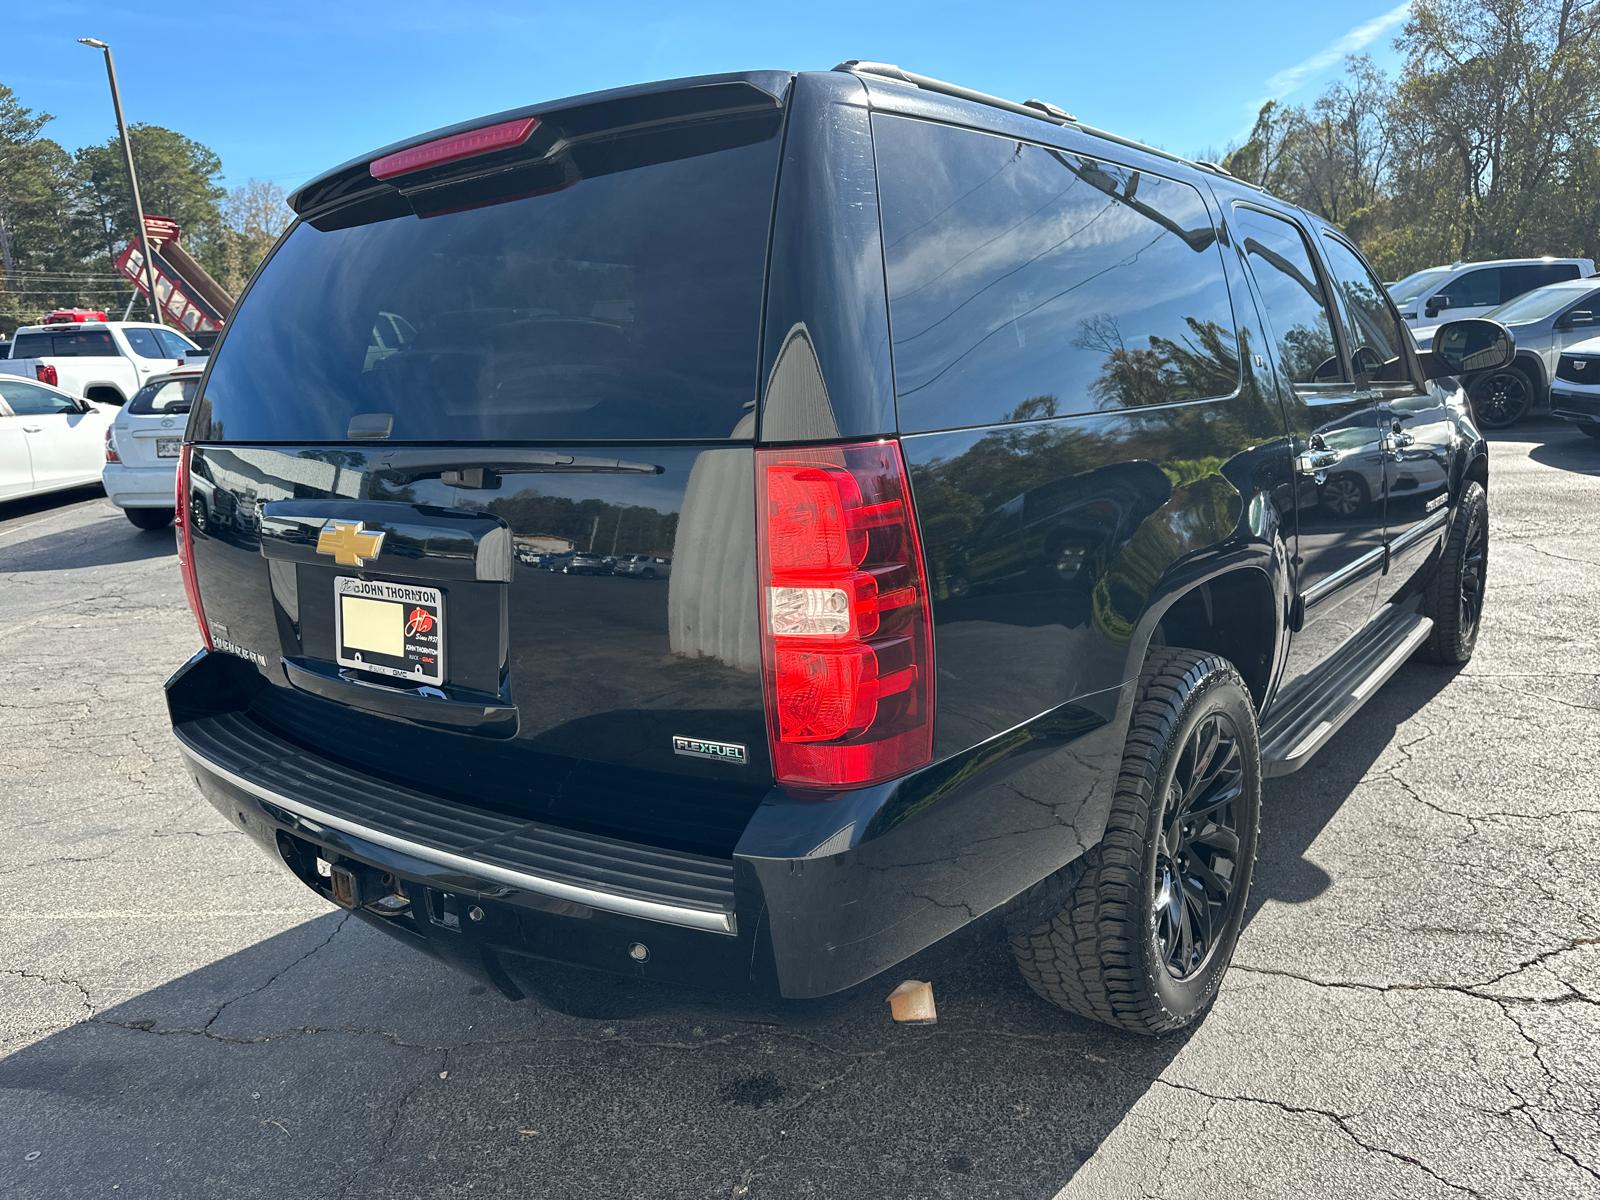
(349, 543)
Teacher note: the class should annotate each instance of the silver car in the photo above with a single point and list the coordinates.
(1545, 321)
(643, 566)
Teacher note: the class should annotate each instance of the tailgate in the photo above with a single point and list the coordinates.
(149, 441)
(550, 691)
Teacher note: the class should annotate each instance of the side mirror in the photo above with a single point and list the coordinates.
(1472, 344)
(84, 406)
(1437, 303)
(1576, 318)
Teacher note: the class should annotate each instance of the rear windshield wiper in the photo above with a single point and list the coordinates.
(401, 467)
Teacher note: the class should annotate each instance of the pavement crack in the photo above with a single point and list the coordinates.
(88, 1001)
(1340, 1121)
(271, 979)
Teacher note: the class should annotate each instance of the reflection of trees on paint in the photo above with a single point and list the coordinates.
(589, 524)
(1106, 504)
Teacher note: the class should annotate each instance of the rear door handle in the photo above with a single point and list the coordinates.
(33, 429)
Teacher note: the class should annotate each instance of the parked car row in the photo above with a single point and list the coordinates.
(582, 562)
(1550, 305)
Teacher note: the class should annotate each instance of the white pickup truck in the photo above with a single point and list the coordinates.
(107, 361)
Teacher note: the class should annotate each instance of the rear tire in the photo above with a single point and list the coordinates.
(1145, 935)
(149, 518)
(1589, 427)
(1501, 398)
(1454, 599)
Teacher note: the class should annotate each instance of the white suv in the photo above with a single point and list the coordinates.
(1472, 289)
(142, 446)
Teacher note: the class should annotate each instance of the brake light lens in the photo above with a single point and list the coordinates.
(45, 373)
(455, 147)
(111, 449)
(183, 524)
(847, 645)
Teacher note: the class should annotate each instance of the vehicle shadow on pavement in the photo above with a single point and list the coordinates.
(26, 506)
(1297, 808)
(101, 544)
(329, 1061)
(1567, 449)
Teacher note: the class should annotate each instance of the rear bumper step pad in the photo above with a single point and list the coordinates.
(669, 886)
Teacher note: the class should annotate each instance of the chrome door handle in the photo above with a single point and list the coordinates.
(1315, 461)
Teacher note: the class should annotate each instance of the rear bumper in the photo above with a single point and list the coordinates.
(1574, 405)
(140, 487)
(818, 896)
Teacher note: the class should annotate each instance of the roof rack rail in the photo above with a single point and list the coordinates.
(1037, 109)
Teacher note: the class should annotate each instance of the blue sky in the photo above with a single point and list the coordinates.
(283, 91)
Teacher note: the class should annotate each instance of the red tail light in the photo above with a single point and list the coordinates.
(847, 646)
(111, 450)
(182, 522)
(45, 373)
(455, 147)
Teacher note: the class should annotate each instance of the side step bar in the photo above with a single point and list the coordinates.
(1302, 720)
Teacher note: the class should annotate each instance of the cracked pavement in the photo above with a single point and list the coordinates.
(1414, 1009)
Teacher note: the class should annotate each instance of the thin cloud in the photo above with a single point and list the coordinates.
(1290, 79)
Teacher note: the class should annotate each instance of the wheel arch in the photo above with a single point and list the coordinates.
(1239, 608)
(105, 393)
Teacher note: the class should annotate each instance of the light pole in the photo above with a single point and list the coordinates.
(133, 179)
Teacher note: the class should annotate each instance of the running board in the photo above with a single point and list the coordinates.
(1303, 719)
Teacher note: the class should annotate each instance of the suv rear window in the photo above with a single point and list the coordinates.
(88, 343)
(623, 307)
(168, 396)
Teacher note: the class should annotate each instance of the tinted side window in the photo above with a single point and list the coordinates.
(29, 401)
(1516, 280)
(1280, 260)
(175, 346)
(1475, 288)
(1375, 335)
(143, 343)
(1029, 282)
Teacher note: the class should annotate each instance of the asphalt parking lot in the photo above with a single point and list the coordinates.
(1414, 1010)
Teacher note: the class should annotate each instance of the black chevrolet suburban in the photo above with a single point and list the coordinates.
(1030, 496)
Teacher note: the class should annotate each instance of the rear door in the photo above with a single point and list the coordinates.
(65, 445)
(16, 468)
(1339, 454)
(1415, 425)
(151, 355)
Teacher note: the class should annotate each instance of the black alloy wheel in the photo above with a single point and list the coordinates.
(1454, 599)
(1140, 931)
(1197, 856)
(1501, 398)
(1345, 495)
(197, 515)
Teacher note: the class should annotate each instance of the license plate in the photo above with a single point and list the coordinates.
(168, 447)
(394, 629)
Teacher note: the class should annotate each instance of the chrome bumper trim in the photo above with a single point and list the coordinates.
(628, 906)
